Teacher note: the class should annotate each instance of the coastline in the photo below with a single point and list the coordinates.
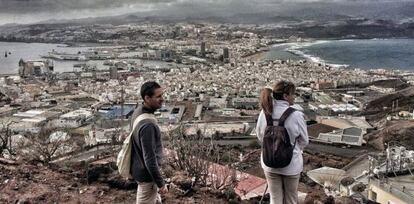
(67, 44)
(296, 48)
(257, 56)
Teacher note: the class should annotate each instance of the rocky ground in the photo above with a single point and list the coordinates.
(378, 109)
(394, 131)
(251, 165)
(98, 182)
(38, 183)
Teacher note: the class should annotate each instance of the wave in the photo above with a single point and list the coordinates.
(295, 49)
(298, 45)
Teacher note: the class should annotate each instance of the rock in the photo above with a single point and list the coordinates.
(101, 193)
(314, 196)
(205, 189)
(359, 187)
(83, 190)
(7, 161)
(345, 200)
(22, 201)
(182, 181)
(196, 188)
(105, 188)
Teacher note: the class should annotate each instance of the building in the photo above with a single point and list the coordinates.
(170, 114)
(356, 93)
(35, 67)
(398, 190)
(198, 111)
(315, 129)
(349, 136)
(391, 179)
(226, 54)
(245, 103)
(218, 102)
(113, 72)
(203, 49)
(104, 136)
(73, 119)
(345, 122)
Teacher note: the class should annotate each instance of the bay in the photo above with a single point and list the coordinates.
(34, 51)
(364, 54)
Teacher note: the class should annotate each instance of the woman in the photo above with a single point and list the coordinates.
(283, 182)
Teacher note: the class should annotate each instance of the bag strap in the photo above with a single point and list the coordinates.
(140, 118)
(285, 115)
(269, 120)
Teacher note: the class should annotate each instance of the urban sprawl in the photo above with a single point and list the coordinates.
(212, 75)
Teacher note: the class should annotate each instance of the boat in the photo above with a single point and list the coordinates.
(66, 56)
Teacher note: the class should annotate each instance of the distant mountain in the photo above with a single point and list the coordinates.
(265, 12)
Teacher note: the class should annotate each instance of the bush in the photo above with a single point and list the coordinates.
(198, 157)
(254, 145)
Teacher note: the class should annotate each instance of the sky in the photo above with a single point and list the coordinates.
(30, 11)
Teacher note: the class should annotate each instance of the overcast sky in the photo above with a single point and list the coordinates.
(30, 11)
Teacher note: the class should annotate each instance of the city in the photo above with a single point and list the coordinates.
(61, 128)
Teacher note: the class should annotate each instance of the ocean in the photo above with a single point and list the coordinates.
(363, 54)
(33, 51)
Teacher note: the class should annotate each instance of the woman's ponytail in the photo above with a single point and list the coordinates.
(266, 100)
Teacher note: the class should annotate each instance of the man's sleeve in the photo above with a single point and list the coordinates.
(147, 133)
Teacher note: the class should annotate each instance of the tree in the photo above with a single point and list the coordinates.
(47, 144)
(5, 137)
(198, 157)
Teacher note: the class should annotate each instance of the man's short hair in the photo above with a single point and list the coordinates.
(148, 88)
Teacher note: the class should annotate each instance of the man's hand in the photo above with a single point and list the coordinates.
(163, 190)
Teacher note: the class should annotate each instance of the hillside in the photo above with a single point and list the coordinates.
(398, 131)
(379, 108)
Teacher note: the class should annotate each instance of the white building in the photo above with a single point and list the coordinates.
(349, 136)
(73, 119)
(101, 136)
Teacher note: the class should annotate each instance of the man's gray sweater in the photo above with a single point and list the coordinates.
(146, 154)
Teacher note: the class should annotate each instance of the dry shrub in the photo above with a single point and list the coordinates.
(199, 157)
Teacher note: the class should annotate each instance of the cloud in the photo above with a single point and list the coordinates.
(29, 11)
(33, 6)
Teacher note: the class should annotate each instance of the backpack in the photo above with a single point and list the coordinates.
(123, 161)
(277, 149)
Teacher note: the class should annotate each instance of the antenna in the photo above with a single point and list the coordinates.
(327, 177)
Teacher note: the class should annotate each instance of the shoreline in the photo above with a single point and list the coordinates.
(260, 55)
(316, 59)
(67, 44)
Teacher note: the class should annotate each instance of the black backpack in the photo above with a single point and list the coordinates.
(277, 149)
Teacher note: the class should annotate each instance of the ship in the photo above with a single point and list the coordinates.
(65, 56)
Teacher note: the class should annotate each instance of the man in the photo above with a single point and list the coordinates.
(146, 152)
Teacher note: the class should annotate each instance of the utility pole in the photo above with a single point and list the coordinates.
(122, 99)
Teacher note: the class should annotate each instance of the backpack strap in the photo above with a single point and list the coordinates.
(269, 119)
(285, 115)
